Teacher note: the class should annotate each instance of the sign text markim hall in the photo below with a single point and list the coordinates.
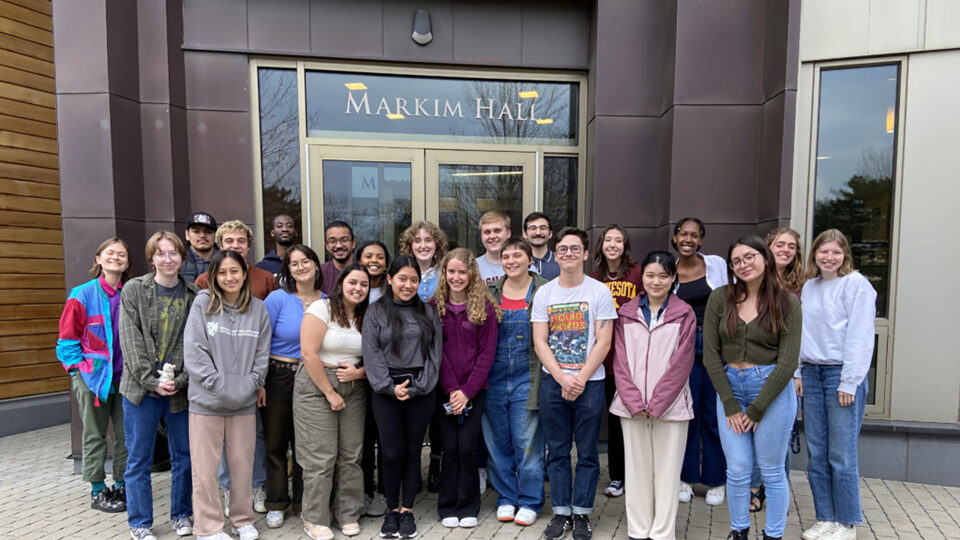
(441, 108)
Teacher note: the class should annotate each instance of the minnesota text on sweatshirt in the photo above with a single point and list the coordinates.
(226, 355)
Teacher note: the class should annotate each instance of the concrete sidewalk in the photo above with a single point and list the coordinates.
(41, 498)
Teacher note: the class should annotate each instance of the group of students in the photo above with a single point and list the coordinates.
(690, 355)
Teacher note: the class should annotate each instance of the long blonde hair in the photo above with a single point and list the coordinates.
(477, 294)
(793, 275)
(830, 235)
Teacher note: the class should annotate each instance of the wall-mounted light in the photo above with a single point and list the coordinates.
(422, 33)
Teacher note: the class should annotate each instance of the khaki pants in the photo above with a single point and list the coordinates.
(209, 435)
(654, 451)
(330, 445)
(95, 422)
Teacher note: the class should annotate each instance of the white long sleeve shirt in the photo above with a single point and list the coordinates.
(838, 326)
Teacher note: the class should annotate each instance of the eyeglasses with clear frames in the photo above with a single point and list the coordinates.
(342, 240)
(296, 265)
(573, 250)
(745, 260)
(169, 255)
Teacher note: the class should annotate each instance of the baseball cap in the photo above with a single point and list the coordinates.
(201, 218)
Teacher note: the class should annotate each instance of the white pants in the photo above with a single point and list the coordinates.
(653, 451)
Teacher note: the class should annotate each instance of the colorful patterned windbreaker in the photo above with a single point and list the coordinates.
(86, 337)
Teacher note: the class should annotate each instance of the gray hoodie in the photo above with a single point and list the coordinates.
(226, 355)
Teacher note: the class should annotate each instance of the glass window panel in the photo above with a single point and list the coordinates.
(279, 147)
(396, 107)
(467, 191)
(856, 143)
(373, 197)
(560, 191)
(872, 374)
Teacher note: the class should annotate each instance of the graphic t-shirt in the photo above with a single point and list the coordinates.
(171, 308)
(488, 270)
(572, 315)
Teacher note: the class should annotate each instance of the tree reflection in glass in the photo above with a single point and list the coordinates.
(279, 147)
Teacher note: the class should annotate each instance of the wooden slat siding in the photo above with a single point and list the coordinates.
(30, 388)
(30, 311)
(34, 326)
(31, 236)
(30, 281)
(23, 343)
(40, 6)
(29, 48)
(29, 204)
(26, 63)
(27, 126)
(14, 171)
(29, 189)
(28, 358)
(29, 142)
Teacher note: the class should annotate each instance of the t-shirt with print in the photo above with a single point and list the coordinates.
(340, 345)
(489, 271)
(572, 315)
(171, 310)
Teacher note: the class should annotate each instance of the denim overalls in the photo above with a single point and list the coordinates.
(512, 432)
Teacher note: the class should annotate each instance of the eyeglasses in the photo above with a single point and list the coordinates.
(543, 228)
(573, 250)
(296, 265)
(342, 240)
(745, 260)
(169, 255)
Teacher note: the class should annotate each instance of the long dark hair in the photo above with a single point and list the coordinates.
(285, 278)
(773, 301)
(338, 310)
(392, 312)
(626, 261)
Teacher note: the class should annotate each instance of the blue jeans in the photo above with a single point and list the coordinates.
(832, 432)
(767, 446)
(515, 446)
(703, 429)
(140, 424)
(563, 422)
(259, 461)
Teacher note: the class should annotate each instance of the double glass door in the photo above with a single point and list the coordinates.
(381, 191)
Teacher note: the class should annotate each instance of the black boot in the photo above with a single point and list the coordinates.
(768, 537)
(433, 474)
(739, 535)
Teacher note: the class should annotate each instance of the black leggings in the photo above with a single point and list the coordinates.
(402, 425)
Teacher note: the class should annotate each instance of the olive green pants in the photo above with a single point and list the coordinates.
(94, 435)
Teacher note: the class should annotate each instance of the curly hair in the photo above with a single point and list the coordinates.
(793, 276)
(439, 239)
(477, 294)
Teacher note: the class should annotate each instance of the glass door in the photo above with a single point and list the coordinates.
(378, 191)
(462, 185)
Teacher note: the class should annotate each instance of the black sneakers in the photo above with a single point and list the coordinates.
(581, 527)
(106, 502)
(119, 493)
(391, 525)
(739, 535)
(408, 525)
(558, 527)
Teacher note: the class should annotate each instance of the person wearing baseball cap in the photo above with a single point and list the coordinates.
(200, 231)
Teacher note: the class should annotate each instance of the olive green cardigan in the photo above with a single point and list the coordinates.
(496, 289)
(753, 344)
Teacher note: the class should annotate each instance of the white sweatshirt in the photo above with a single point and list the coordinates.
(838, 326)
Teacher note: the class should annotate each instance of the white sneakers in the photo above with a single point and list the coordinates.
(829, 530)
(715, 495)
(274, 519)
(219, 536)
(183, 527)
(247, 532)
(506, 512)
(525, 517)
(260, 500)
(614, 489)
(453, 522)
(686, 492)
(226, 502)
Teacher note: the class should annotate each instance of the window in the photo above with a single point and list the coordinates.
(279, 146)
